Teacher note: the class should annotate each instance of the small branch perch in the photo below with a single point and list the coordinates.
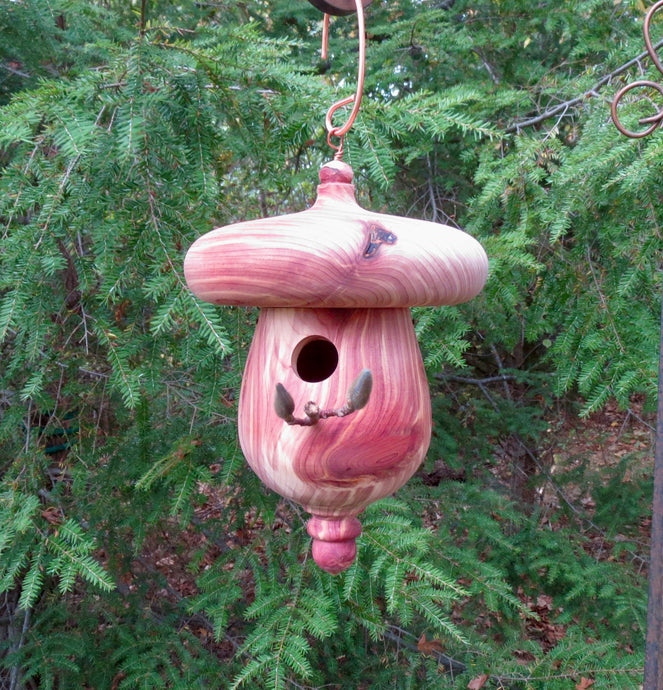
(357, 398)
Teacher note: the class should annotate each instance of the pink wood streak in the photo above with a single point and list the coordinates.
(325, 257)
(340, 272)
(339, 466)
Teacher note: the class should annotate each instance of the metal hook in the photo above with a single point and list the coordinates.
(647, 33)
(653, 121)
(341, 131)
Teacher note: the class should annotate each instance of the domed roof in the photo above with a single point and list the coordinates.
(336, 255)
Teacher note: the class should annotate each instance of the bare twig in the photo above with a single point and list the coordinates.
(431, 191)
(564, 106)
(642, 421)
(357, 398)
(489, 68)
(14, 678)
(500, 367)
(405, 639)
(399, 636)
(481, 383)
(15, 71)
(604, 302)
(579, 513)
(473, 381)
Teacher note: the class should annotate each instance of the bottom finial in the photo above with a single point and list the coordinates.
(334, 547)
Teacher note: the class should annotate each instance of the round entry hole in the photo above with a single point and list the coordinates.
(315, 359)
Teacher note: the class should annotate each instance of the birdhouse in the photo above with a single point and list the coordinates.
(334, 410)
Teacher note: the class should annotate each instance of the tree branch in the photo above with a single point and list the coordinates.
(476, 382)
(517, 126)
(15, 675)
(15, 71)
(452, 666)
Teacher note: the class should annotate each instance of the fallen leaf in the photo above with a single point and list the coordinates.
(523, 657)
(429, 646)
(544, 602)
(584, 683)
(478, 682)
(52, 515)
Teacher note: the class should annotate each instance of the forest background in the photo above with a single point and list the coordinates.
(137, 550)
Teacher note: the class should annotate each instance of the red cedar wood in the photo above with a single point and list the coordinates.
(337, 272)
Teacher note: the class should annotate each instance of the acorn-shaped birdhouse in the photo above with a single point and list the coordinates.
(334, 410)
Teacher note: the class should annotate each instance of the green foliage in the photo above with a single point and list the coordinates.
(136, 548)
(28, 548)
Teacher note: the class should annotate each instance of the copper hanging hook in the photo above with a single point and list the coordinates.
(653, 121)
(341, 131)
(325, 37)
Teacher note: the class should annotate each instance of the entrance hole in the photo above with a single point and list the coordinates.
(315, 359)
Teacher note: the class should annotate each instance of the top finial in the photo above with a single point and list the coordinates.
(336, 171)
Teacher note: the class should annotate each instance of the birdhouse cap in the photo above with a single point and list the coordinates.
(336, 255)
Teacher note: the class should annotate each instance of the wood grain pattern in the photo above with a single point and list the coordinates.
(335, 283)
(340, 465)
(336, 254)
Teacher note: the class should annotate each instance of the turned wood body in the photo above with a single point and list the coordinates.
(340, 465)
(335, 282)
(336, 254)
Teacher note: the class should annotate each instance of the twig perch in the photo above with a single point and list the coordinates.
(357, 398)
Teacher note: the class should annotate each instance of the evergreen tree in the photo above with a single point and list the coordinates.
(136, 548)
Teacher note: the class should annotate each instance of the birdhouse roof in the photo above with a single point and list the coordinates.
(336, 255)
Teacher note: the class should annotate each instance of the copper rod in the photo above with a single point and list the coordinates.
(355, 99)
(325, 37)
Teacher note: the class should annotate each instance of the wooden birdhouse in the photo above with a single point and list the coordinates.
(334, 410)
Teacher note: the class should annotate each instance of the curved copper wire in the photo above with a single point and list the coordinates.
(653, 121)
(355, 99)
(645, 28)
